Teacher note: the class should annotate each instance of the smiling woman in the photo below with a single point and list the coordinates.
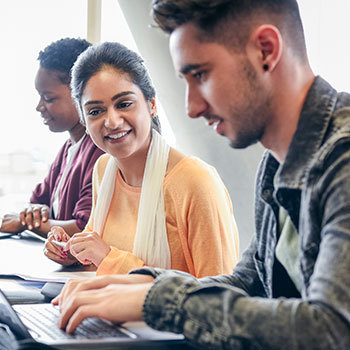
(152, 204)
(103, 108)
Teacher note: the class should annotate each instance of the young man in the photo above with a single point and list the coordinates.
(247, 73)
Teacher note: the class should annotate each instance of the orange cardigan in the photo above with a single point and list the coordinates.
(202, 232)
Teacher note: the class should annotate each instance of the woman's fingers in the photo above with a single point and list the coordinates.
(29, 217)
(44, 211)
(54, 251)
(36, 216)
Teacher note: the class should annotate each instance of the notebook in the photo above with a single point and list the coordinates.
(39, 322)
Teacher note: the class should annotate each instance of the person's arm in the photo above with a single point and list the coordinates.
(207, 222)
(36, 217)
(118, 262)
(15, 223)
(220, 315)
(70, 226)
(96, 297)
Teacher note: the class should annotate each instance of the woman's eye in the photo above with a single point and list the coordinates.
(93, 112)
(124, 104)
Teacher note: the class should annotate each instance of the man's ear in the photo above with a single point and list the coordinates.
(267, 44)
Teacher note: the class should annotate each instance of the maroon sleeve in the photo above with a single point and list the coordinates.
(76, 194)
(83, 206)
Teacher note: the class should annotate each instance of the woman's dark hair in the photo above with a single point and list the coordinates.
(119, 57)
(60, 56)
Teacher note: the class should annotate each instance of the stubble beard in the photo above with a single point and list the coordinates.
(253, 117)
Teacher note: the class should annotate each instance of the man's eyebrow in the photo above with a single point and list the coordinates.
(189, 67)
(121, 94)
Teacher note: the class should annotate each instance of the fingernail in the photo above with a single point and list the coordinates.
(36, 224)
(23, 223)
(30, 227)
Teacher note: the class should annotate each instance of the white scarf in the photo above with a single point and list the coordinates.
(151, 240)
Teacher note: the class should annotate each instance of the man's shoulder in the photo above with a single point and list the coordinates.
(336, 145)
(339, 130)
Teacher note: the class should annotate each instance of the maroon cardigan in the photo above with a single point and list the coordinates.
(76, 191)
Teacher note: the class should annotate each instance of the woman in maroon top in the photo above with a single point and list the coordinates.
(64, 198)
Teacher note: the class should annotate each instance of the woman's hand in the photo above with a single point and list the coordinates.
(55, 252)
(88, 247)
(34, 215)
(117, 298)
(12, 223)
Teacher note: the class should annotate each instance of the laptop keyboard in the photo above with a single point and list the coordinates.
(41, 319)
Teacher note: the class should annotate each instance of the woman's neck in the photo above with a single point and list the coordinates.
(133, 167)
(77, 132)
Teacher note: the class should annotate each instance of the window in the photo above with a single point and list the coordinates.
(327, 29)
(27, 147)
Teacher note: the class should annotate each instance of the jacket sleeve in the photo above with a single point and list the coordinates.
(216, 314)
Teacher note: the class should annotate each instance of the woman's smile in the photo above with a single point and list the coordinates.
(117, 137)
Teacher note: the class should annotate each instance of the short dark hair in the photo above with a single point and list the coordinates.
(229, 21)
(60, 56)
(118, 57)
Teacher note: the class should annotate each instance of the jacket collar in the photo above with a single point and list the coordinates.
(311, 130)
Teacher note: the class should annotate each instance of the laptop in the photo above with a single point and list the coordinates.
(39, 322)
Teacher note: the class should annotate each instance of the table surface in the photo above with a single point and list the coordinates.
(24, 254)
